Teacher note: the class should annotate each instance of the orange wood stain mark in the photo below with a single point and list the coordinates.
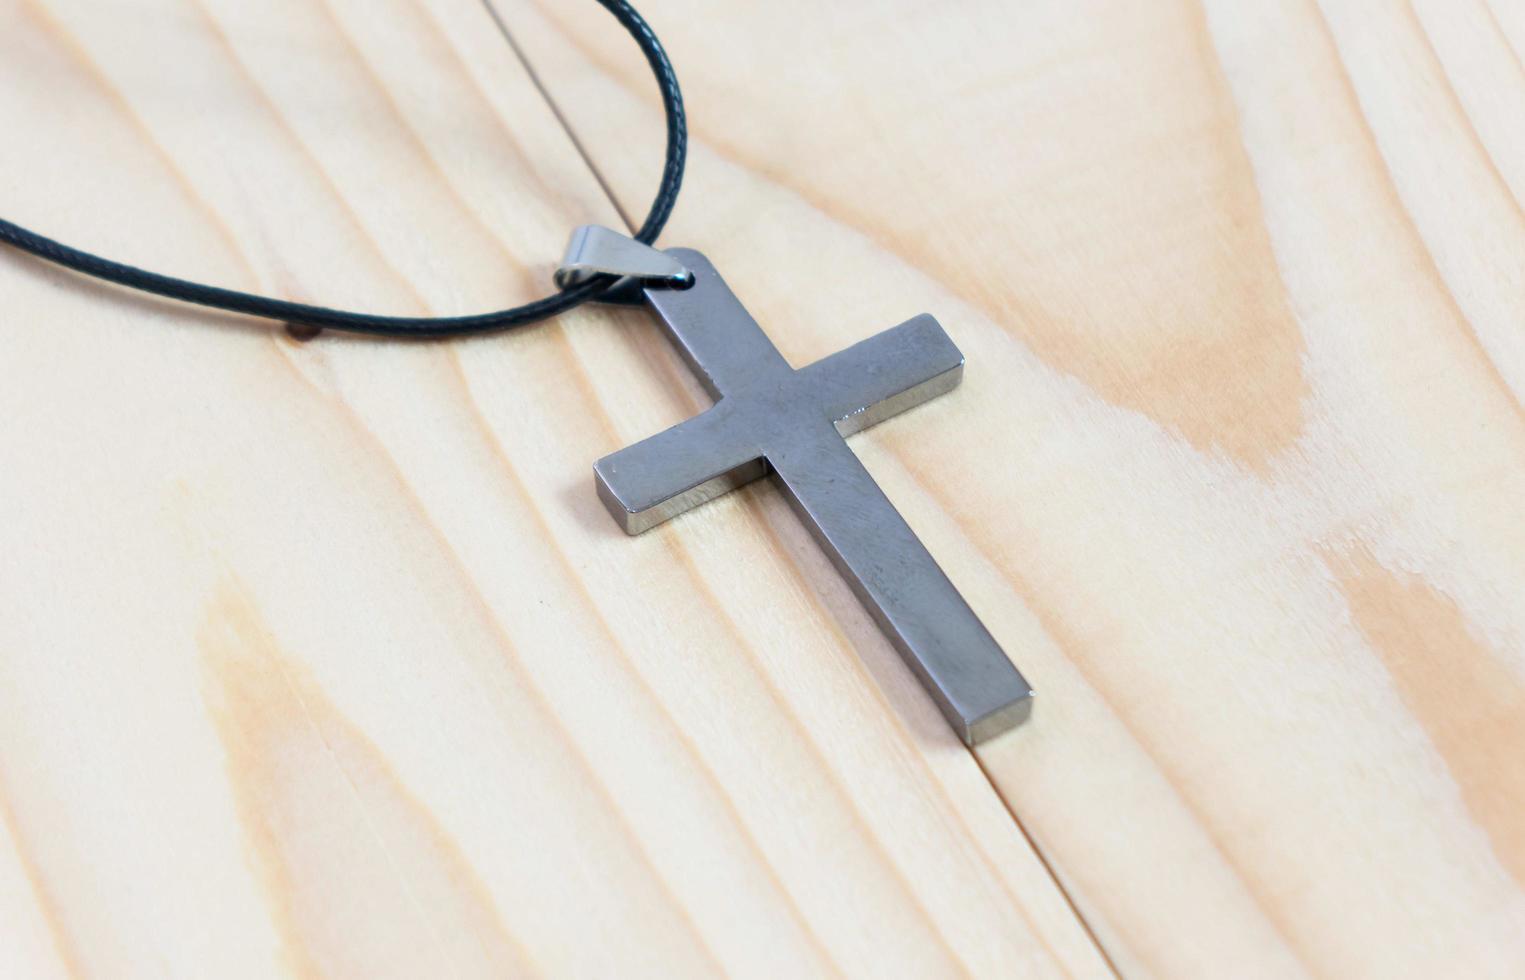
(50, 907)
(1177, 311)
(360, 878)
(1471, 705)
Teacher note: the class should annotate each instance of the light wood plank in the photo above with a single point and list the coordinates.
(322, 658)
(1235, 471)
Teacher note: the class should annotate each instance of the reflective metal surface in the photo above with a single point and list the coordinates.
(594, 250)
(770, 418)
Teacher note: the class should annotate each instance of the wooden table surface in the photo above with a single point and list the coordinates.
(323, 658)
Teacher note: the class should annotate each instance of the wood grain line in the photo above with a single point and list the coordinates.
(908, 753)
(1043, 857)
(253, 686)
(66, 42)
(543, 188)
(49, 907)
(422, 148)
(550, 544)
(781, 704)
(1493, 20)
(1459, 109)
(1400, 208)
(1085, 661)
(525, 676)
(262, 97)
(566, 127)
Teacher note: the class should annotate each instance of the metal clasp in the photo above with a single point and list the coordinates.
(594, 250)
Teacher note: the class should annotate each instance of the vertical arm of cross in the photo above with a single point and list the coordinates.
(712, 453)
(768, 416)
(712, 330)
(936, 633)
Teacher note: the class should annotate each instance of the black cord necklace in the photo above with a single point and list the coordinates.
(303, 315)
(769, 418)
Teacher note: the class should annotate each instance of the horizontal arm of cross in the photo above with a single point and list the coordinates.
(886, 374)
(659, 478)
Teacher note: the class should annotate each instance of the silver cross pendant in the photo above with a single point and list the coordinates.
(770, 419)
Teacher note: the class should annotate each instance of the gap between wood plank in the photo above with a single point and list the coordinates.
(630, 226)
(566, 126)
(1064, 893)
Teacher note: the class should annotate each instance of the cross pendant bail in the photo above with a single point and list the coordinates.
(769, 418)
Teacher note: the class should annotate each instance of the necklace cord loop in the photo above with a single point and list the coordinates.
(303, 315)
